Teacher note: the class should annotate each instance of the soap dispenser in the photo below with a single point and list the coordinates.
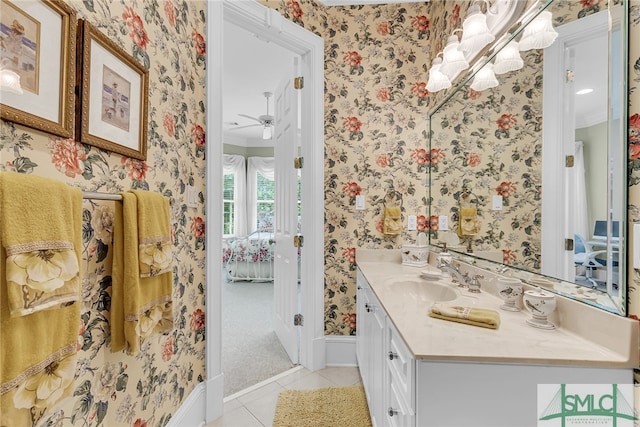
(444, 256)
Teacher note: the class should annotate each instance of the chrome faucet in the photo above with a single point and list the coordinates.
(455, 272)
(474, 284)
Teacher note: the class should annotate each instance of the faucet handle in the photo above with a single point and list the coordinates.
(474, 284)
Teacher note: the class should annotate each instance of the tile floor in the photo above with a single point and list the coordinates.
(256, 406)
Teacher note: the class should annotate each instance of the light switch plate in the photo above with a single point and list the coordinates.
(360, 202)
(412, 224)
(443, 222)
(497, 203)
(192, 197)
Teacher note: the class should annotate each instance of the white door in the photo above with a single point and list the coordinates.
(286, 217)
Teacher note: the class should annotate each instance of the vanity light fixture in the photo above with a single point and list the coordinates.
(9, 80)
(453, 61)
(437, 80)
(485, 78)
(508, 59)
(475, 32)
(539, 34)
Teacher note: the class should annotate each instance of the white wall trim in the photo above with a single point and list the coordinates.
(192, 411)
(557, 129)
(341, 351)
(270, 25)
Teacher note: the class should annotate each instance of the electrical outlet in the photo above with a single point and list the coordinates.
(360, 202)
(497, 203)
(412, 223)
(443, 223)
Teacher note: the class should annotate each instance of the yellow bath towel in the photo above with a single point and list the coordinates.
(140, 306)
(42, 269)
(34, 342)
(483, 317)
(392, 223)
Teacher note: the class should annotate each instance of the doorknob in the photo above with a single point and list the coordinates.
(271, 241)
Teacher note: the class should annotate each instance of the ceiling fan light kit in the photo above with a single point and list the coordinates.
(266, 120)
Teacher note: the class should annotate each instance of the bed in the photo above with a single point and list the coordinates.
(249, 258)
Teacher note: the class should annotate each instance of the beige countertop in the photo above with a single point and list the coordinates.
(584, 335)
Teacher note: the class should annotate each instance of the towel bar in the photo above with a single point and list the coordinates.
(100, 196)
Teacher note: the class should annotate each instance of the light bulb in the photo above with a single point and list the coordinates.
(508, 59)
(539, 34)
(437, 80)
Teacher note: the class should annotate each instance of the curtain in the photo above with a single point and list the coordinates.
(581, 218)
(235, 164)
(266, 166)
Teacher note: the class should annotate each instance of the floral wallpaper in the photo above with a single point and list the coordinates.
(101, 388)
(376, 117)
(377, 59)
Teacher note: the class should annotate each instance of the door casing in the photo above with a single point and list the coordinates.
(270, 25)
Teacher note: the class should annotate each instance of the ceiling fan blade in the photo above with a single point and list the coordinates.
(249, 117)
(242, 127)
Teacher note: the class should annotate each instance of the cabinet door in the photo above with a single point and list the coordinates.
(378, 319)
(370, 348)
(401, 365)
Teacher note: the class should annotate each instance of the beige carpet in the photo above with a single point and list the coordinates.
(324, 407)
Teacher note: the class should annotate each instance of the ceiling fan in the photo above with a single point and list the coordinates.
(266, 120)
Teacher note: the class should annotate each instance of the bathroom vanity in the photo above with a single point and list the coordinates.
(422, 371)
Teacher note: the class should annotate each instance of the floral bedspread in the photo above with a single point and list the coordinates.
(253, 248)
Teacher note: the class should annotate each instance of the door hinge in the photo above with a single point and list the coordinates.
(298, 241)
(568, 244)
(298, 162)
(568, 161)
(298, 82)
(298, 319)
(570, 75)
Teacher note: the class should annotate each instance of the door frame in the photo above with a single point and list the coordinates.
(270, 25)
(556, 261)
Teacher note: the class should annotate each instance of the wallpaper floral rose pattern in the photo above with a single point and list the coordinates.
(376, 123)
(98, 387)
(376, 113)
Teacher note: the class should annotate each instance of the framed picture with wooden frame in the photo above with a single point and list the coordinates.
(114, 92)
(37, 65)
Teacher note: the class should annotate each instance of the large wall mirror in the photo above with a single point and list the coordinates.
(540, 162)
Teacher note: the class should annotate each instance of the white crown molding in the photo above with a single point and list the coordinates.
(366, 2)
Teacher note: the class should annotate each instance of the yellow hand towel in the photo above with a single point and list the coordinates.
(41, 340)
(392, 223)
(154, 233)
(42, 267)
(140, 306)
(483, 317)
(469, 225)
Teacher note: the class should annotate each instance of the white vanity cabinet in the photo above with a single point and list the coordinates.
(386, 365)
(431, 389)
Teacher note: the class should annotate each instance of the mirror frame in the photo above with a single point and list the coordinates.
(534, 278)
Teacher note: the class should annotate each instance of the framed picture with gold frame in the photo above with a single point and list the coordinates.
(114, 92)
(37, 64)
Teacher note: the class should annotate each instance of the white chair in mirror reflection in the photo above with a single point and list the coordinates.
(588, 260)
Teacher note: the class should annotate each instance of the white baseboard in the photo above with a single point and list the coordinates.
(340, 350)
(192, 411)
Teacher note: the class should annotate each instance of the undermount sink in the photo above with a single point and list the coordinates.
(424, 290)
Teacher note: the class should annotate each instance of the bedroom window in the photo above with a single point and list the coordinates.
(265, 202)
(234, 194)
(229, 207)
